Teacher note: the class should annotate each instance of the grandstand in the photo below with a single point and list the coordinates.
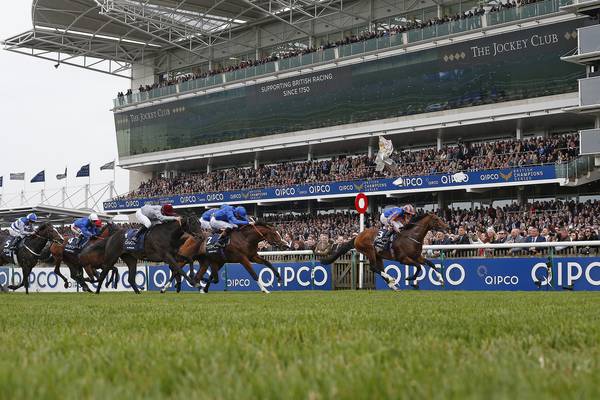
(279, 106)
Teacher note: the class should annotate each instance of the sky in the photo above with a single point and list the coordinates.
(53, 118)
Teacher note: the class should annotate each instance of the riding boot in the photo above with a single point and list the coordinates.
(14, 244)
(140, 232)
(222, 242)
(385, 239)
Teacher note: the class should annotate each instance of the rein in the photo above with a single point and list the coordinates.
(257, 231)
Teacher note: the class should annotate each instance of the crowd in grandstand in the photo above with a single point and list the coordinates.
(401, 27)
(461, 157)
(550, 220)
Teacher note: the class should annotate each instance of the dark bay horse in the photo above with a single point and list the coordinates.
(406, 248)
(76, 263)
(161, 244)
(242, 249)
(29, 252)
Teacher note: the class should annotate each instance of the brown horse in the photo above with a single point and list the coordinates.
(76, 262)
(242, 249)
(406, 248)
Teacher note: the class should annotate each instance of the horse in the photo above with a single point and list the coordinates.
(74, 261)
(242, 249)
(161, 244)
(406, 248)
(30, 250)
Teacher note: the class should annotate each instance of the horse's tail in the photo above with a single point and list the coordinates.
(343, 249)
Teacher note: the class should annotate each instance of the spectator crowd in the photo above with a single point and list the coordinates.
(450, 159)
(402, 27)
(540, 221)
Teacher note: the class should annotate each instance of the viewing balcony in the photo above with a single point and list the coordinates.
(391, 41)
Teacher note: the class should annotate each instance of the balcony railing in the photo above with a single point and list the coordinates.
(372, 45)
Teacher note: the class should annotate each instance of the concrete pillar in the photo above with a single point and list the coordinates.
(209, 166)
(440, 11)
(439, 142)
(441, 200)
(519, 130)
(258, 42)
(309, 156)
(256, 157)
(521, 196)
(597, 122)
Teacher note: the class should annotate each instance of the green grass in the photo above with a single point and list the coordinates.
(300, 345)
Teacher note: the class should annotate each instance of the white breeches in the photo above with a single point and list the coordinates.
(205, 224)
(143, 219)
(386, 222)
(14, 233)
(220, 225)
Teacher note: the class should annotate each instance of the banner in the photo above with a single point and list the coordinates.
(45, 280)
(523, 175)
(39, 177)
(233, 277)
(566, 273)
(17, 176)
(83, 171)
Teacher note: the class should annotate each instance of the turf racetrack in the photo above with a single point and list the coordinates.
(306, 345)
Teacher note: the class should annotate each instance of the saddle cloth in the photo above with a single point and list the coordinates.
(133, 244)
(72, 245)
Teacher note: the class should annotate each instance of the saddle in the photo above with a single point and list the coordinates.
(215, 246)
(10, 253)
(384, 239)
(134, 241)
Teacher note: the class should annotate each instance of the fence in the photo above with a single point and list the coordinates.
(568, 261)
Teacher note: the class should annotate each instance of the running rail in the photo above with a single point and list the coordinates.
(472, 246)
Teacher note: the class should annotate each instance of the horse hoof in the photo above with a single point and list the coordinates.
(414, 286)
(162, 291)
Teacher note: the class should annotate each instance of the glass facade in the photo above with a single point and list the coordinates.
(494, 69)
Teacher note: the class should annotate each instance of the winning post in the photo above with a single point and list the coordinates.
(361, 203)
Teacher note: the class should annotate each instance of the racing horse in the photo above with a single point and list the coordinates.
(30, 250)
(242, 249)
(76, 263)
(161, 244)
(406, 248)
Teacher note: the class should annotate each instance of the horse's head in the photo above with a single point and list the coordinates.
(437, 223)
(269, 233)
(191, 224)
(108, 230)
(48, 231)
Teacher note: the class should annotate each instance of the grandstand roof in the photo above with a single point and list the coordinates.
(111, 35)
(45, 213)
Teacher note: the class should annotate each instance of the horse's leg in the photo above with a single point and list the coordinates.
(178, 284)
(199, 277)
(417, 272)
(114, 277)
(77, 275)
(132, 265)
(191, 273)
(57, 262)
(246, 263)
(439, 276)
(376, 265)
(259, 260)
(214, 272)
(101, 278)
(26, 273)
(176, 268)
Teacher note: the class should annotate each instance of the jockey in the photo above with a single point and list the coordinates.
(86, 228)
(150, 215)
(393, 220)
(205, 218)
(20, 229)
(227, 218)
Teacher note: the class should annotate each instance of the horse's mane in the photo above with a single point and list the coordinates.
(416, 219)
(260, 223)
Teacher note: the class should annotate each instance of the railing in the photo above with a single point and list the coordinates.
(576, 168)
(372, 45)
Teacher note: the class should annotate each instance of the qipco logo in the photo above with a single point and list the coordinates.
(215, 197)
(453, 275)
(319, 189)
(187, 199)
(281, 192)
(303, 276)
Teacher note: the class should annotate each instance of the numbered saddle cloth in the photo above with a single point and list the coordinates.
(212, 243)
(133, 241)
(72, 245)
(383, 239)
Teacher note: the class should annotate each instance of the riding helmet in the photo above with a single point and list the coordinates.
(167, 210)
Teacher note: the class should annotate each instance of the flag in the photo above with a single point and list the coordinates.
(84, 171)
(18, 176)
(386, 148)
(110, 165)
(62, 176)
(40, 177)
(1, 180)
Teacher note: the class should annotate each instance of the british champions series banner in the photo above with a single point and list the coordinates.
(522, 175)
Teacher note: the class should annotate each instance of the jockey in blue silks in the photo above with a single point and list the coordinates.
(86, 228)
(205, 218)
(227, 218)
(20, 229)
(393, 219)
